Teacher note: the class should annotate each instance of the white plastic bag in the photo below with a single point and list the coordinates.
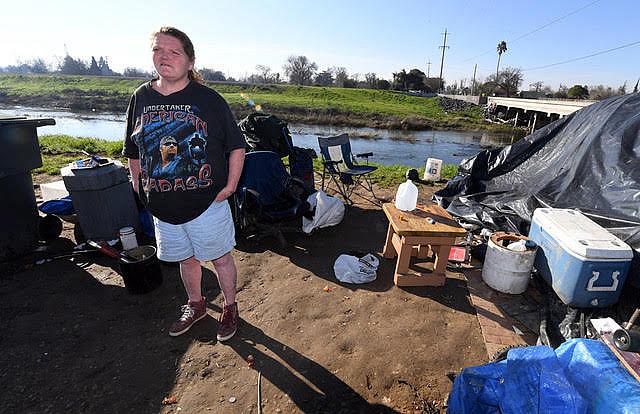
(329, 211)
(352, 269)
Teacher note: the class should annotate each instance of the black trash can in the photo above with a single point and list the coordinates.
(19, 154)
(140, 270)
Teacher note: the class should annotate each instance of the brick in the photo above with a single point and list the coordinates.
(492, 330)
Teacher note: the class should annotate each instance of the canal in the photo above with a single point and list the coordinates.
(389, 146)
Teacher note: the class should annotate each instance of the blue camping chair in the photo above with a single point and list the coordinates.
(268, 198)
(341, 169)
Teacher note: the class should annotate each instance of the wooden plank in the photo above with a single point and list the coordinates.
(630, 360)
(416, 223)
(389, 252)
(442, 257)
(404, 255)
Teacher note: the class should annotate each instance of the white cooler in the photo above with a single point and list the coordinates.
(584, 263)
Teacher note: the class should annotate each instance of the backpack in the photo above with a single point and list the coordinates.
(264, 132)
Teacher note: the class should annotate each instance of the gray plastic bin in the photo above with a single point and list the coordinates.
(19, 155)
(103, 199)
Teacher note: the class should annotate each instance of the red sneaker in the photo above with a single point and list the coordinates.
(228, 322)
(192, 312)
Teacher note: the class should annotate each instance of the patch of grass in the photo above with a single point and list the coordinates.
(112, 93)
(388, 176)
(59, 150)
(65, 144)
(51, 164)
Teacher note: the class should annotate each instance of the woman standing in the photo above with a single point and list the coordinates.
(185, 156)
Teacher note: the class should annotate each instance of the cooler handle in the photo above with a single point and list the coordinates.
(594, 278)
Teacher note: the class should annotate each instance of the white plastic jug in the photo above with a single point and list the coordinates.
(432, 169)
(407, 196)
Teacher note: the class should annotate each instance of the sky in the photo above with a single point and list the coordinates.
(363, 36)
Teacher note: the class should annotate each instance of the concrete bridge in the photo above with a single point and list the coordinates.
(546, 106)
(532, 113)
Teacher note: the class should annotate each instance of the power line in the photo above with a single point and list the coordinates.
(584, 57)
(554, 21)
(538, 29)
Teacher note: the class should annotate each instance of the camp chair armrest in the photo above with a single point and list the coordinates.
(365, 155)
(249, 197)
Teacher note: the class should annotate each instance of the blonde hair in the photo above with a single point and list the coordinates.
(186, 45)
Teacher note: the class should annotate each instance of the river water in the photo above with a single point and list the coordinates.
(388, 146)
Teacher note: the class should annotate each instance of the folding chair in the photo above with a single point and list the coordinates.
(342, 170)
(268, 198)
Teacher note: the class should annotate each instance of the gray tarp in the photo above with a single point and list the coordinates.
(589, 160)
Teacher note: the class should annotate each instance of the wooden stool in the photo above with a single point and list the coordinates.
(416, 233)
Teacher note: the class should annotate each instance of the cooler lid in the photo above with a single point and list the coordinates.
(576, 232)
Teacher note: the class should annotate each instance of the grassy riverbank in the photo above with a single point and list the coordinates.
(59, 150)
(303, 104)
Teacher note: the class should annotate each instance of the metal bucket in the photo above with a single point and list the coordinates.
(506, 270)
(140, 270)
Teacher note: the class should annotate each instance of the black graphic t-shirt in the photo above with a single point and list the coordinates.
(182, 141)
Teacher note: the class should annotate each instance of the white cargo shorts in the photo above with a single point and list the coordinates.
(207, 237)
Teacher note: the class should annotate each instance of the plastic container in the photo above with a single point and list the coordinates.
(584, 264)
(506, 270)
(432, 169)
(128, 238)
(103, 199)
(407, 196)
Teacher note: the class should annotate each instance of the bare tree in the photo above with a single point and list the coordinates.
(341, 76)
(510, 80)
(536, 86)
(599, 92)
(371, 79)
(300, 70)
(264, 74)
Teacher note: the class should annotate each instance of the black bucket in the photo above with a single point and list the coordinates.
(140, 270)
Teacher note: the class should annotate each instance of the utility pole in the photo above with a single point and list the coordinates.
(473, 84)
(428, 68)
(443, 47)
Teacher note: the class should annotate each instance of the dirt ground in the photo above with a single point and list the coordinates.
(74, 340)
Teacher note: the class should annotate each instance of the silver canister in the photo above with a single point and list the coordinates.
(128, 238)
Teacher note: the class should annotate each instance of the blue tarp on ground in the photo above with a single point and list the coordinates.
(580, 376)
(60, 207)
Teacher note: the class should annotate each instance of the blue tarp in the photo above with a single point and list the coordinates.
(60, 207)
(580, 376)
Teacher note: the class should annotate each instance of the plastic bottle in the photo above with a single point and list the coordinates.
(407, 196)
